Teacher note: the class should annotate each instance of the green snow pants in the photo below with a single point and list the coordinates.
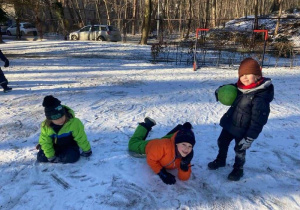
(137, 142)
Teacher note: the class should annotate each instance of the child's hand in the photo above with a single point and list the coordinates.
(246, 143)
(166, 177)
(185, 161)
(216, 94)
(184, 166)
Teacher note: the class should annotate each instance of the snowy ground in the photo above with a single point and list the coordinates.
(111, 88)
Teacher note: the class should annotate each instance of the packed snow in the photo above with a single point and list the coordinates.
(111, 87)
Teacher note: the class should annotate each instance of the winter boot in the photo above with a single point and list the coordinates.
(148, 123)
(236, 174)
(216, 164)
(7, 89)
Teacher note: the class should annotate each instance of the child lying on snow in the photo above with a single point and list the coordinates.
(175, 150)
(62, 134)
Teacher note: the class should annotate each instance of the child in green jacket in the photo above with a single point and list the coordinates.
(62, 134)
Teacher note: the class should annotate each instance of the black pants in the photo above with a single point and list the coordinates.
(68, 155)
(3, 80)
(223, 143)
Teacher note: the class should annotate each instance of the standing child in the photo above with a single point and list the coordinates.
(62, 134)
(173, 151)
(3, 80)
(246, 117)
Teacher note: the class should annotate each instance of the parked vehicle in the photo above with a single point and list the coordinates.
(25, 29)
(97, 32)
(3, 28)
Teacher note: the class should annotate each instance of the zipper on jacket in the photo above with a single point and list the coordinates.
(173, 161)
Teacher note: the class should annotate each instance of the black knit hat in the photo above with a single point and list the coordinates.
(53, 109)
(185, 134)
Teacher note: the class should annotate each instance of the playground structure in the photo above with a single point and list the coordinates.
(221, 48)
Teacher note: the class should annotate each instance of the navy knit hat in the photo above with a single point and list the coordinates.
(185, 134)
(53, 109)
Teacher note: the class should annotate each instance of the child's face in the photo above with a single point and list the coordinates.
(184, 148)
(59, 121)
(248, 79)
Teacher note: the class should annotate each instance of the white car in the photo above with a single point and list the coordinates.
(97, 32)
(25, 29)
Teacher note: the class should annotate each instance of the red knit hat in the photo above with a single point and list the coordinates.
(249, 66)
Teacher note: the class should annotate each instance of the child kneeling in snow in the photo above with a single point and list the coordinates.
(62, 134)
(175, 150)
(246, 117)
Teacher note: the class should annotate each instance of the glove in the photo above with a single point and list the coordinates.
(54, 159)
(216, 94)
(87, 153)
(166, 177)
(38, 146)
(185, 161)
(245, 143)
(6, 64)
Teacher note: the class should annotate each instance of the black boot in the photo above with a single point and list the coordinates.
(216, 164)
(236, 174)
(5, 87)
(148, 123)
(8, 89)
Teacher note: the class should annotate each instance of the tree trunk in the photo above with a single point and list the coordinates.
(107, 12)
(146, 22)
(256, 14)
(97, 4)
(275, 6)
(279, 15)
(214, 13)
(80, 21)
(207, 14)
(134, 17)
(70, 13)
(189, 20)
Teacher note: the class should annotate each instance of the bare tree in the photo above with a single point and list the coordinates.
(134, 16)
(255, 14)
(275, 6)
(279, 15)
(214, 13)
(146, 21)
(107, 12)
(189, 20)
(207, 14)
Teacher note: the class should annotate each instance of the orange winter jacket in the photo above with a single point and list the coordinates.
(161, 153)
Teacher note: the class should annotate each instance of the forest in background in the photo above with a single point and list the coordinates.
(139, 16)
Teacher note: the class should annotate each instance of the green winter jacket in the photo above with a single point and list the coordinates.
(71, 133)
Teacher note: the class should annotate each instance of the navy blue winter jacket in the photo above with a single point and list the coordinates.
(250, 111)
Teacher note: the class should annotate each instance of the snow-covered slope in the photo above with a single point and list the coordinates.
(111, 88)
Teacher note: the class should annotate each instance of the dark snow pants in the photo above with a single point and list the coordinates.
(223, 143)
(3, 80)
(68, 155)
